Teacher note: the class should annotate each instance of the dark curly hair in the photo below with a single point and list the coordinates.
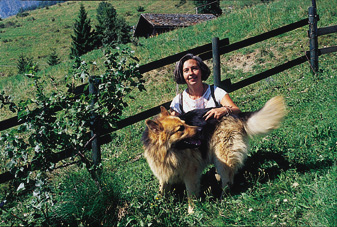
(178, 71)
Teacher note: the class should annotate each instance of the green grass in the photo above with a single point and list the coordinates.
(290, 175)
(44, 29)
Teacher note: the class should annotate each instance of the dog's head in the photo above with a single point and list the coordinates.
(172, 132)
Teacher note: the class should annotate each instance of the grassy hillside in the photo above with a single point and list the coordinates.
(290, 176)
(51, 27)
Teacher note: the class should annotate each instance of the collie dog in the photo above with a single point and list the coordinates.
(178, 149)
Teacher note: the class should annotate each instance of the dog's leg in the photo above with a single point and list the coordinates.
(226, 173)
(230, 151)
(164, 187)
(192, 183)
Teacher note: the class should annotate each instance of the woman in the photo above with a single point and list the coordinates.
(191, 70)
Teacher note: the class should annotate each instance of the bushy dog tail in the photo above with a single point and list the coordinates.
(267, 118)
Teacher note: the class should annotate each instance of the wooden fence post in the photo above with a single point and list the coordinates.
(216, 62)
(313, 18)
(95, 147)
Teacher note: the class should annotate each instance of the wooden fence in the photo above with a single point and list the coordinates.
(206, 52)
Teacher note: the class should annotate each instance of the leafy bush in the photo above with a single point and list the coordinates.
(53, 59)
(140, 9)
(9, 24)
(24, 64)
(35, 147)
(22, 14)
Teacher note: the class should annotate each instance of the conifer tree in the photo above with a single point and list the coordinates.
(111, 28)
(83, 39)
(24, 64)
(208, 6)
(53, 59)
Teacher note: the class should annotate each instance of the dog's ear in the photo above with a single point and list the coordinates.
(164, 111)
(154, 126)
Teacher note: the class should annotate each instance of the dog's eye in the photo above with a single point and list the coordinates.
(181, 128)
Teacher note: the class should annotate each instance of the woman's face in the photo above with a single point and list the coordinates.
(192, 72)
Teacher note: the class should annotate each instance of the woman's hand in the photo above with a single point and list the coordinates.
(217, 113)
(174, 113)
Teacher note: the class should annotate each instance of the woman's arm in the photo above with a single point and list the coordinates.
(228, 102)
(228, 107)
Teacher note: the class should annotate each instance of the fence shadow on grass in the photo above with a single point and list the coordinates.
(255, 171)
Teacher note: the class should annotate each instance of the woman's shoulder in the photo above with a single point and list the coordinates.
(219, 89)
(176, 98)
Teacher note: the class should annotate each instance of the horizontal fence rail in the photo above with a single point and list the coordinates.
(14, 121)
(9, 123)
(243, 83)
(207, 49)
(326, 30)
(327, 50)
(262, 37)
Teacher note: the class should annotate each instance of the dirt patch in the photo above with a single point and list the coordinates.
(240, 61)
(246, 62)
(160, 75)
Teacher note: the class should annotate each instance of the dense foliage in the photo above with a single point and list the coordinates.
(34, 147)
(111, 28)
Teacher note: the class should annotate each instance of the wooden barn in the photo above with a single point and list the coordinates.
(154, 24)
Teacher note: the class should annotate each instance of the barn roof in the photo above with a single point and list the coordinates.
(177, 20)
(149, 22)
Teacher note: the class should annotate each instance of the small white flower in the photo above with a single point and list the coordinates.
(285, 200)
(295, 185)
(250, 209)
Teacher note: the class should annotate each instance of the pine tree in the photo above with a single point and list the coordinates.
(208, 6)
(53, 59)
(22, 64)
(25, 64)
(84, 37)
(111, 28)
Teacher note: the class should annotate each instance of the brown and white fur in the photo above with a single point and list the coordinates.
(172, 162)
